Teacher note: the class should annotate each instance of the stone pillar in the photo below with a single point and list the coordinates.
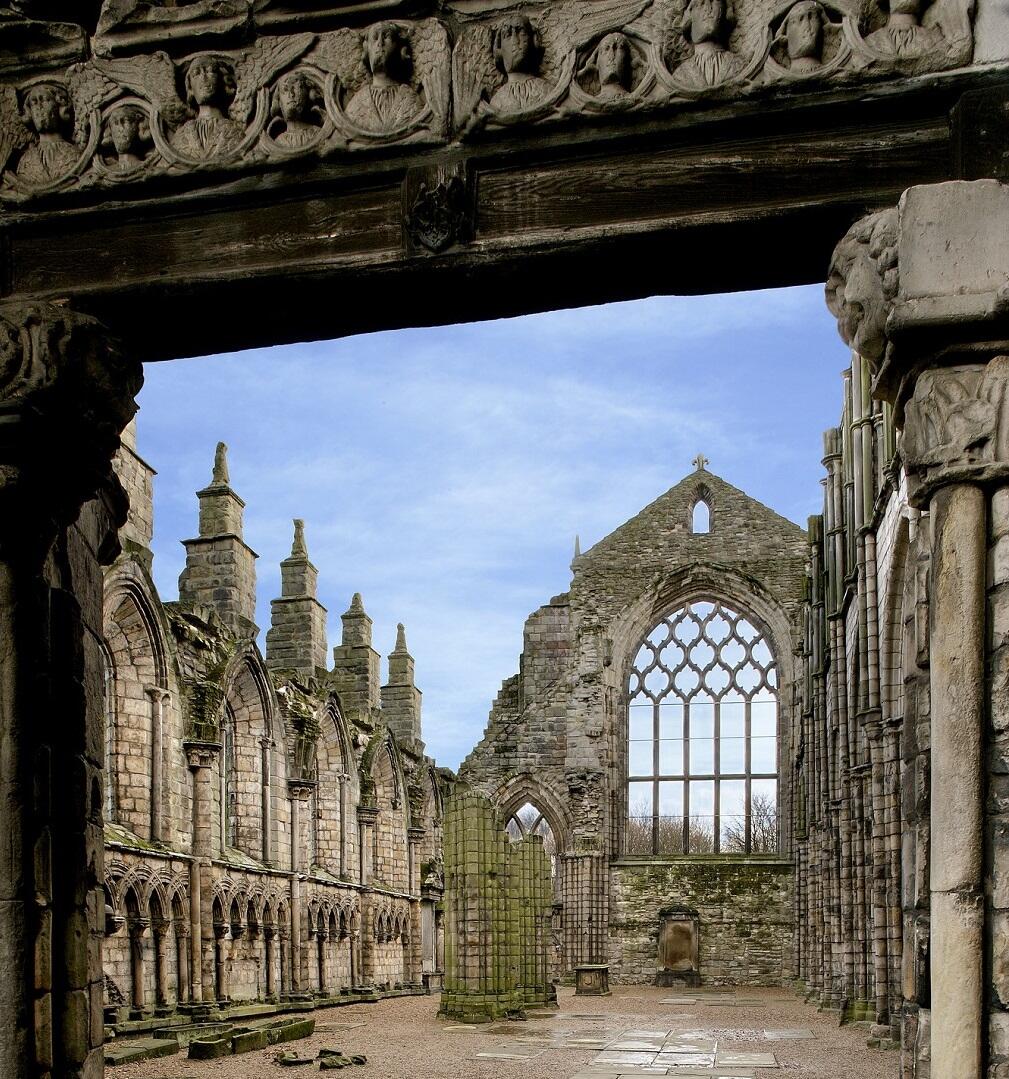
(284, 974)
(182, 957)
(367, 817)
(273, 961)
(158, 697)
(321, 938)
(221, 961)
(266, 748)
(161, 963)
(137, 930)
(299, 796)
(919, 292)
(415, 959)
(65, 396)
(202, 759)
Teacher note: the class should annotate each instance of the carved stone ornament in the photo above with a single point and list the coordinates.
(66, 393)
(956, 428)
(863, 281)
(242, 84)
(438, 216)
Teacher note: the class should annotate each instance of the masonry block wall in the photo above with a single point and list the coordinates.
(243, 791)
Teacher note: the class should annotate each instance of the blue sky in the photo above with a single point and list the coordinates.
(443, 473)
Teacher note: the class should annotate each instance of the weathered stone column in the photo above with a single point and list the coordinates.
(201, 757)
(920, 292)
(182, 956)
(321, 938)
(266, 747)
(415, 961)
(299, 795)
(65, 395)
(137, 930)
(158, 697)
(161, 962)
(273, 962)
(221, 961)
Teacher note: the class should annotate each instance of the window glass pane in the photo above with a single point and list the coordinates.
(702, 834)
(732, 719)
(671, 799)
(670, 839)
(639, 722)
(702, 756)
(763, 754)
(640, 761)
(732, 797)
(670, 720)
(702, 798)
(639, 835)
(732, 838)
(671, 757)
(764, 816)
(702, 720)
(764, 717)
(733, 756)
(639, 799)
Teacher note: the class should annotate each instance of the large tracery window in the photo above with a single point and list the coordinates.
(702, 728)
(528, 820)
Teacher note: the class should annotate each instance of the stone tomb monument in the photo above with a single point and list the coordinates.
(679, 947)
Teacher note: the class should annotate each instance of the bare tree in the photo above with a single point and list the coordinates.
(763, 828)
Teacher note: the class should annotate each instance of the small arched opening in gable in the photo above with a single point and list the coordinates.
(700, 512)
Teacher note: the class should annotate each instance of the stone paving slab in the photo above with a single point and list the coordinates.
(799, 1034)
(745, 1059)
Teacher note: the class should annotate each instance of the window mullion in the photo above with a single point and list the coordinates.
(749, 777)
(686, 776)
(717, 815)
(655, 781)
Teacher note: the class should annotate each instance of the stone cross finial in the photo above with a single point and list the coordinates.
(298, 547)
(700, 462)
(221, 465)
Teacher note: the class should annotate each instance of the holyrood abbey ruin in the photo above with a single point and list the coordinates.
(749, 778)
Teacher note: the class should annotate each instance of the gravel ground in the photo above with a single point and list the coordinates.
(404, 1039)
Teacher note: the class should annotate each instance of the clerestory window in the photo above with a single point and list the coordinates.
(702, 736)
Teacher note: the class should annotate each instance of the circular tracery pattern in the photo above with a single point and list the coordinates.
(702, 736)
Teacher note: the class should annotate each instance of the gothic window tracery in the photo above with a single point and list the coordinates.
(702, 727)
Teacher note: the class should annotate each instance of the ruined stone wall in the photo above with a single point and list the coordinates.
(238, 780)
(745, 918)
(557, 733)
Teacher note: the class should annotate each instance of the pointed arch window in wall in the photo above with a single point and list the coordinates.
(229, 782)
(528, 820)
(702, 736)
(700, 518)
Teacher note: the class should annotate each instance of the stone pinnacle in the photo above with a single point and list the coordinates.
(221, 465)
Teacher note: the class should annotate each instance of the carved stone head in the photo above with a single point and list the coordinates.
(128, 129)
(707, 20)
(387, 51)
(210, 80)
(910, 9)
(863, 283)
(296, 97)
(517, 47)
(612, 62)
(802, 31)
(46, 109)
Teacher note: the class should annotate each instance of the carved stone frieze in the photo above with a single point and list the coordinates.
(188, 88)
(956, 429)
(66, 393)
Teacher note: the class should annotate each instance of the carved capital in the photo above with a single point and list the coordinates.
(201, 754)
(66, 393)
(367, 814)
(416, 835)
(863, 281)
(300, 789)
(955, 428)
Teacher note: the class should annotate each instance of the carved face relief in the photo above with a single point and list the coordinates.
(209, 82)
(703, 20)
(863, 282)
(386, 52)
(804, 35)
(294, 97)
(516, 46)
(47, 109)
(613, 64)
(126, 125)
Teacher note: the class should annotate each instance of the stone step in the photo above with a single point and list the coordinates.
(131, 1052)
